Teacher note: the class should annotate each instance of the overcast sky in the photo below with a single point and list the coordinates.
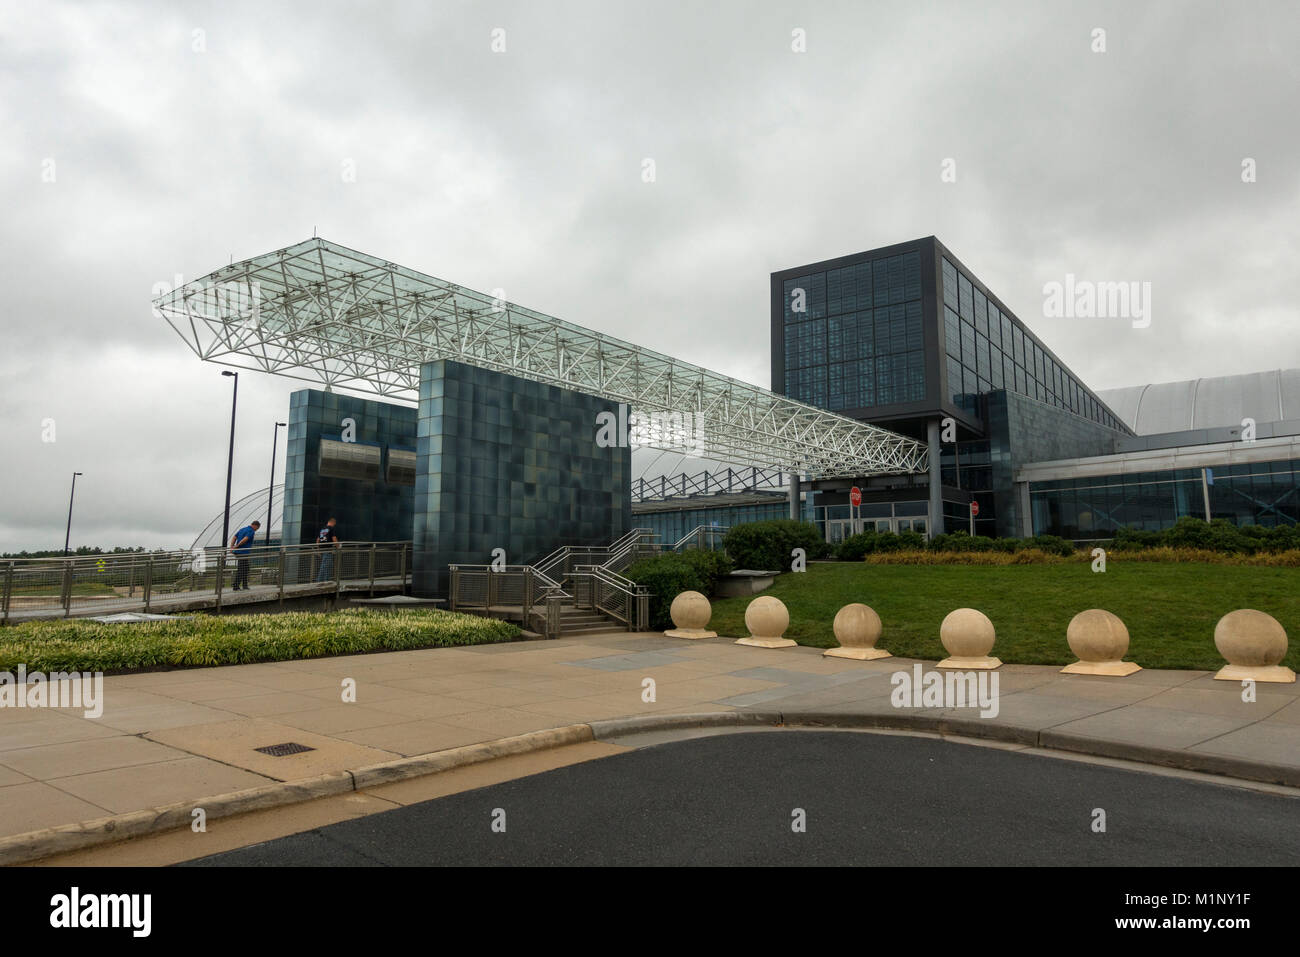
(141, 141)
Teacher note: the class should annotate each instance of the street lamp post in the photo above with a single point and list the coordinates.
(67, 539)
(270, 492)
(230, 461)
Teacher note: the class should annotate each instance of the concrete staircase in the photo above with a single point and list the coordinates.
(584, 621)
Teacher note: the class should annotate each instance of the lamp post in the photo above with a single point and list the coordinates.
(68, 537)
(270, 492)
(230, 461)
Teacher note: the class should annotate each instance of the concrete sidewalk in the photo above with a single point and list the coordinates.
(182, 735)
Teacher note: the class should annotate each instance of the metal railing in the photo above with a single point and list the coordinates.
(590, 573)
(510, 591)
(612, 595)
(152, 581)
(560, 564)
(703, 537)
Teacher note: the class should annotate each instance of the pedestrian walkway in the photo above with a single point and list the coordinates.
(182, 735)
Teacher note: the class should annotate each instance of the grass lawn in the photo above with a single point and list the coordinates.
(1170, 608)
(72, 645)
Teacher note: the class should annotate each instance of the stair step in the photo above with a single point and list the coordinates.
(591, 629)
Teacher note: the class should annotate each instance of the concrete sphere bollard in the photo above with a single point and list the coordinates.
(1099, 640)
(1254, 645)
(857, 629)
(690, 612)
(968, 636)
(767, 619)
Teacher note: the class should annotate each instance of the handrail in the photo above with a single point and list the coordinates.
(209, 551)
(562, 554)
(505, 586)
(633, 600)
(547, 581)
(612, 577)
(698, 530)
(541, 583)
(37, 587)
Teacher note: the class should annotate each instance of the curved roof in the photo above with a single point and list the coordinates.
(1220, 402)
(248, 508)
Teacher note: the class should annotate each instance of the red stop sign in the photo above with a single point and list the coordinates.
(974, 508)
(855, 496)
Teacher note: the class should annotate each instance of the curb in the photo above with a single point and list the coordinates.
(1217, 764)
(35, 845)
(422, 764)
(616, 727)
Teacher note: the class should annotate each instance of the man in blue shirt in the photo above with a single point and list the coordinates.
(326, 538)
(242, 546)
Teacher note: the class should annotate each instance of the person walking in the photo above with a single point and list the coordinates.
(242, 546)
(326, 539)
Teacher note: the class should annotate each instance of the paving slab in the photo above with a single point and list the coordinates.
(53, 761)
(33, 805)
(138, 787)
(142, 718)
(29, 729)
(1271, 743)
(1157, 727)
(1038, 711)
(420, 736)
(235, 742)
(1224, 701)
(1287, 715)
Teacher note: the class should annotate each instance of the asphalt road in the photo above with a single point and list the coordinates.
(868, 800)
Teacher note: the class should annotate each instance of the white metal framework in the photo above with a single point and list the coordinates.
(325, 313)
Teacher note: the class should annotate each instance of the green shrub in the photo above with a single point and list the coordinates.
(1132, 539)
(668, 575)
(767, 546)
(712, 566)
(1051, 544)
(899, 541)
(962, 541)
(855, 547)
(1220, 535)
(1283, 538)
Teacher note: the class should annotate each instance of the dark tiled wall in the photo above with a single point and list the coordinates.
(1023, 430)
(508, 463)
(367, 511)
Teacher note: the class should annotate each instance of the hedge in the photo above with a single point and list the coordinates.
(668, 575)
(768, 546)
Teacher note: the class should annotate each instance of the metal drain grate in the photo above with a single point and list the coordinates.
(280, 750)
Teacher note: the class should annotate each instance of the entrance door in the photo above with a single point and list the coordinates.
(838, 529)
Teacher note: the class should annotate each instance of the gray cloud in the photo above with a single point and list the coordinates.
(523, 171)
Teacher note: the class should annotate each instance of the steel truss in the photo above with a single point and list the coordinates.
(325, 313)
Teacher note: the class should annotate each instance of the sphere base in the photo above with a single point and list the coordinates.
(690, 633)
(858, 654)
(1274, 674)
(1108, 669)
(982, 663)
(766, 642)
